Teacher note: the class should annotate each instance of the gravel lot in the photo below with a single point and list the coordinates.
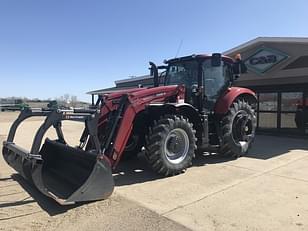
(22, 207)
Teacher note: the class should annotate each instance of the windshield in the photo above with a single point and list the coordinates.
(182, 73)
(215, 78)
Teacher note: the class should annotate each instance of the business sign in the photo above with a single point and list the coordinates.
(264, 59)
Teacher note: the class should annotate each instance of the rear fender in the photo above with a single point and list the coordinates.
(225, 101)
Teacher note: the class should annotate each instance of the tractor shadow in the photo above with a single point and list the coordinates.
(134, 171)
(137, 170)
(267, 147)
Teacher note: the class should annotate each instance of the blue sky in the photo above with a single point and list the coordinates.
(52, 47)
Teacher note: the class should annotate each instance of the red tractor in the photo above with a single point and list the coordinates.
(195, 109)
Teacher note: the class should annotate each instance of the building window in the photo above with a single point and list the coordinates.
(267, 120)
(268, 105)
(291, 100)
(301, 115)
(288, 120)
(268, 102)
(283, 111)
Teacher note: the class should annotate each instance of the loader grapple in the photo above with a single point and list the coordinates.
(64, 173)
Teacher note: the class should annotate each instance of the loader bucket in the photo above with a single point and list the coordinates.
(66, 174)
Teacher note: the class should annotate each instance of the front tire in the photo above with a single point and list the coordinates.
(171, 145)
(238, 129)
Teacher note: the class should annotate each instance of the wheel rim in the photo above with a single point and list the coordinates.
(176, 146)
(242, 128)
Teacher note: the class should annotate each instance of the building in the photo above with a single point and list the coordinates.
(278, 73)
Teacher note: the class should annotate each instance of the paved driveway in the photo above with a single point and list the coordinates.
(266, 190)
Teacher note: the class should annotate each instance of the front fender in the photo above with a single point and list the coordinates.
(184, 109)
(225, 101)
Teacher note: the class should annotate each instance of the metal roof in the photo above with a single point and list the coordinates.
(267, 39)
(132, 79)
(100, 91)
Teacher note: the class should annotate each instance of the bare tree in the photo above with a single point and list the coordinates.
(74, 100)
(66, 98)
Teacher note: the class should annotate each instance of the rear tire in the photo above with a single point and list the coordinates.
(170, 145)
(238, 129)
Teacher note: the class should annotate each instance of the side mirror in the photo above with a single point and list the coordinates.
(216, 60)
(239, 67)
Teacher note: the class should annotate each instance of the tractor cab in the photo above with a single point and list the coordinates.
(205, 77)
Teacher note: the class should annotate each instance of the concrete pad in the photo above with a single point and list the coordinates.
(209, 175)
(169, 193)
(296, 170)
(262, 203)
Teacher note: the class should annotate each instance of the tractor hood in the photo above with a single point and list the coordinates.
(144, 92)
(117, 93)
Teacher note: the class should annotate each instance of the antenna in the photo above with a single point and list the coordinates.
(179, 48)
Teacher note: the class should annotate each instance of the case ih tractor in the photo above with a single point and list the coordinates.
(195, 108)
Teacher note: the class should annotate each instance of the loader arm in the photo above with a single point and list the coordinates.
(126, 108)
